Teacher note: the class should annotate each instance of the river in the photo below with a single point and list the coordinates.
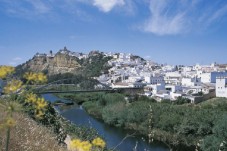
(112, 135)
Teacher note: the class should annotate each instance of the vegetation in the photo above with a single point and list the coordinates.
(26, 134)
(97, 144)
(203, 125)
(19, 100)
(95, 64)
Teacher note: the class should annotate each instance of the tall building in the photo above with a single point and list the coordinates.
(221, 87)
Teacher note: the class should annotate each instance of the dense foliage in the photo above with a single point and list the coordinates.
(175, 123)
(94, 65)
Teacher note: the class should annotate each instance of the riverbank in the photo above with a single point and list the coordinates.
(174, 124)
(117, 138)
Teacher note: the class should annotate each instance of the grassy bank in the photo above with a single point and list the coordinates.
(29, 135)
(203, 124)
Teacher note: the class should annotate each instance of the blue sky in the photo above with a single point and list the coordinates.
(165, 31)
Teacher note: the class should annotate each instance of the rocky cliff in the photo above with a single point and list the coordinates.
(64, 61)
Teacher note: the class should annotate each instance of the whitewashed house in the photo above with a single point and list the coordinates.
(191, 81)
(136, 85)
(189, 74)
(168, 68)
(173, 88)
(134, 79)
(128, 56)
(187, 68)
(192, 89)
(115, 56)
(162, 94)
(211, 77)
(122, 57)
(127, 85)
(154, 88)
(120, 85)
(221, 87)
(154, 79)
(197, 67)
(172, 77)
(175, 95)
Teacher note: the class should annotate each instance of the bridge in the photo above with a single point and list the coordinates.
(86, 91)
(76, 91)
(60, 87)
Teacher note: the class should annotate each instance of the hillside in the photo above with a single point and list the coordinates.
(29, 135)
(66, 61)
(61, 62)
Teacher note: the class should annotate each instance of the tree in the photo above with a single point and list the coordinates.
(176, 68)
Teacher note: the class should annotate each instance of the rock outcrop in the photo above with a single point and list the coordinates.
(64, 61)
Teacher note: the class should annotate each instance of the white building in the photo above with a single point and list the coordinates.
(187, 68)
(168, 68)
(154, 79)
(154, 88)
(204, 68)
(191, 81)
(173, 88)
(174, 96)
(134, 78)
(192, 89)
(221, 87)
(120, 85)
(211, 77)
(124, 57)
(162, 94)
(173, 77)
(127, 85)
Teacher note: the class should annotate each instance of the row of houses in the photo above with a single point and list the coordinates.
(166, 81)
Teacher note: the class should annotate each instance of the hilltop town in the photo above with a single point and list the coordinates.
(125, 70)
(124, 90)
(197, 82)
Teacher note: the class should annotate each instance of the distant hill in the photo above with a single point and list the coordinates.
(66, 61)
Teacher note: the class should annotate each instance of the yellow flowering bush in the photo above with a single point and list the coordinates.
(12, 86)
(29, 76)
(30, 98)
(35, 77)
(39, 104)
(98, 142)
(9, 122)
(78, 145)
(36, 105)
(39, 114)
(6, 70)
